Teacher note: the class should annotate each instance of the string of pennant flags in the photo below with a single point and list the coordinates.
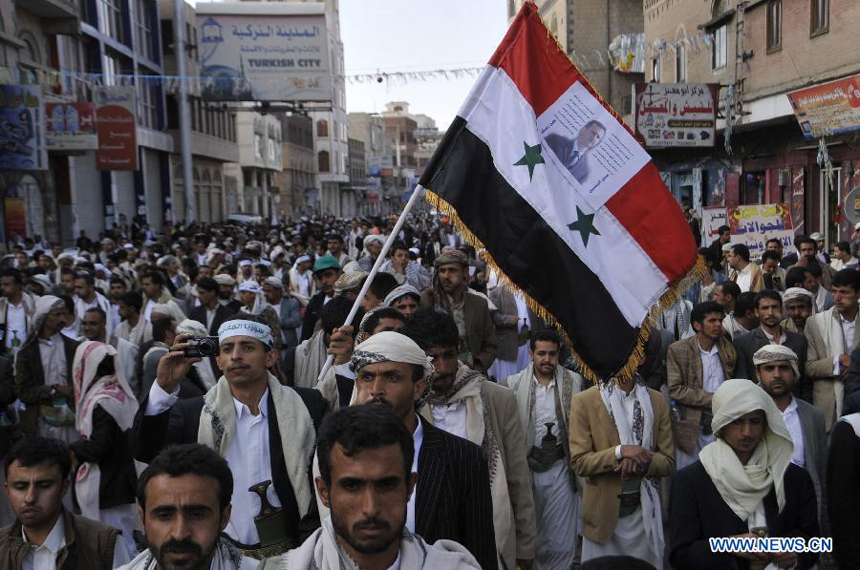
(627, 55)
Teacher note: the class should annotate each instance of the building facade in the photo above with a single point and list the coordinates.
(213, 132)
(758, 52)
(260, 159)
(298, 179)
(585, 30)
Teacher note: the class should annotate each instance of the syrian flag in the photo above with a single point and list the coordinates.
(541, 172)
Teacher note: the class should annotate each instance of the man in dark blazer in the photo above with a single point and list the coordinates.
(246, 355)
(31, 385)
(210, 313)
(573, 153)
(843, 487)
(745, 417)
(777, 370)
(768, 305)
(452, 499)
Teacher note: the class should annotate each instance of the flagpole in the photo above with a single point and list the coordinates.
(418, 193)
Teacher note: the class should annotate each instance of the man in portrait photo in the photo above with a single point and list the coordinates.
(573, 153)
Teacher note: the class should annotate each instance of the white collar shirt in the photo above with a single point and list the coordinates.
(451, 418)
(744, 278)
(44, 557)
(16, 324)
(417, 439)
(250, 461)
(772, 339)
(792, 422)
(544, 409)
(53, 354)
(712, 368)
(848, 329)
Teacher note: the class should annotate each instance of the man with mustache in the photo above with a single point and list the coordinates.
(452, 496)
(778, 372)
(366, 478)
(263, 429)
(45, 536)
(184, 503)
(464, 402)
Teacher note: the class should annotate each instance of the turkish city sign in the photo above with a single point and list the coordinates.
(828, 109)
(71, 126)
(22, 128)
(116, 128)
(753, 225)
(675, 114)
(263, 52)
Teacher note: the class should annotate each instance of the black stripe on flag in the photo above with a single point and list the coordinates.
(528, 250)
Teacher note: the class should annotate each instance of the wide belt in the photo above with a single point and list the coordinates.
(541, 459)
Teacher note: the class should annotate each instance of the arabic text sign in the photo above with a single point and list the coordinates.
(829, 108)
(71, 126)
(754, 225)
(257, 57)
(712, 219)
(116, 128)
(22, 128)
(675, 114)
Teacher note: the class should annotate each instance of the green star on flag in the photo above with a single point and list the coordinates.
(584, 225)
(531, 158)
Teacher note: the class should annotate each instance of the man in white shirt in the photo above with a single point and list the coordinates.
(745, 273)
(185, 506)
(777, 371)
(265, 430)
(544, 390)
(88, 298)
(452, 496)
(832, 336)
(37, 478)
(133, 327)
(16, 311)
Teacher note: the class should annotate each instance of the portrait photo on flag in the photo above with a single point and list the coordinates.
(537, 169)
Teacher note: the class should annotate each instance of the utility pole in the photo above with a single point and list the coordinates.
(184, 111)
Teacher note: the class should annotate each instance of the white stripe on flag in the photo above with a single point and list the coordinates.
(497, 113)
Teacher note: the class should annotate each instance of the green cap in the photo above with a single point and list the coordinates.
(325, 262)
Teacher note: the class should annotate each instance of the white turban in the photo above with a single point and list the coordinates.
(390, 346)
(777, 353)
(793, 293)
(250, 286)
(397, 292)
(192, 327)
(44, 305)
(743, 487)
(245, 263)
(253, 329)
(727, 247)
(224, 279)
(274, 282)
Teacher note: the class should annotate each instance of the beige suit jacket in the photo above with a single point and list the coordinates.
(502, 421)
(593, 438)
(819, 363)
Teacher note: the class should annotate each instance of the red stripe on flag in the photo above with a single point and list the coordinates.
(532, 59)
(652, 217)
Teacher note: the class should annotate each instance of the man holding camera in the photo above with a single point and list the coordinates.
(265, 431)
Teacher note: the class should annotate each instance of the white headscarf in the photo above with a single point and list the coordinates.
(397, 292)
(793, 293)
(389, 346)
(743, 487)
(777, 353)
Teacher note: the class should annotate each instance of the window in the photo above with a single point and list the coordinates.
(258, 146)
(322, 128)
(720, 48)
(655, 69)
(681, 64)
(820, 21)
(271, 150)
(144, 23)
(774, 25)
(110, 18)
(147, 106)
(323, 161)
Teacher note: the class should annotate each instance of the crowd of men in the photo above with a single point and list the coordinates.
(163, 405)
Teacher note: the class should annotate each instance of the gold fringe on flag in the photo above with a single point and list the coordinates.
(667, 299)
